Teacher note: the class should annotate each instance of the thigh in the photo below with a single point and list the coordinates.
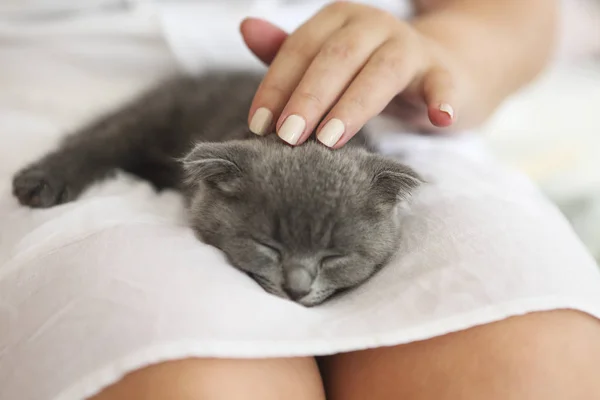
(547, 355)
(215, 379)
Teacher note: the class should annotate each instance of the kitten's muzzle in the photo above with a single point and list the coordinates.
(298, 282)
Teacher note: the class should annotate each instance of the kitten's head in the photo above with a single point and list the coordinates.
(305, 222)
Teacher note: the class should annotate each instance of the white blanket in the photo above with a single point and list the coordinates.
(93, 289)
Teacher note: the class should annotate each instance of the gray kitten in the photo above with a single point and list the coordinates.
(305, 222)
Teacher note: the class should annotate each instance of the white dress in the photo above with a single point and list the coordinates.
(96, 288)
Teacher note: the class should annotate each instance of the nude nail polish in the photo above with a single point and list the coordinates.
(292, 129)
(261, 121)
(447, 108)
(331, 132)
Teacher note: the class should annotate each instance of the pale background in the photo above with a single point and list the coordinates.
(551, 130)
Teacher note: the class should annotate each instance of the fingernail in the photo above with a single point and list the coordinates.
(292, 129)
(447, 108)
(261, 121)
(331, 132)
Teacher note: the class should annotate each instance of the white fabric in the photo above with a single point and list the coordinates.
(216, 41)
(93, 289)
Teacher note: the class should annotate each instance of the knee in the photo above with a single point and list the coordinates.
(294, 379)
(549, 355)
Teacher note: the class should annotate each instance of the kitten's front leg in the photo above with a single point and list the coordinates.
(136, 138)
(58, 178)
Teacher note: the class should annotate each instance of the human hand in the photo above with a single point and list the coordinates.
(343, 67)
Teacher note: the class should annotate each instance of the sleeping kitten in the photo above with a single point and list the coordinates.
(304, 222)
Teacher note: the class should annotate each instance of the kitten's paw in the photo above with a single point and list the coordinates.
(39, 187)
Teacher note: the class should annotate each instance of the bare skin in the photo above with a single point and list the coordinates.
(216, 379)
(548, 355)
(551, 356)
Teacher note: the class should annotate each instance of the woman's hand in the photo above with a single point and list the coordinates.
(343, 67)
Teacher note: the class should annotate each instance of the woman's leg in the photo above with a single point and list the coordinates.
(216, 379)
(548, 355)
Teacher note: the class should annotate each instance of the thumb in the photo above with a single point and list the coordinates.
(262, 38)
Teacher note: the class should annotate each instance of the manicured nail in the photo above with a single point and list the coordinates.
(292, 129)
(331, 132)
(447, 108)
(261, 121)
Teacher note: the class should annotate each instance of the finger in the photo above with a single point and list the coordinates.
(405, 108)
(388, 72)
(287, 69)
(262, 38)
(440, 97)
(333, 68)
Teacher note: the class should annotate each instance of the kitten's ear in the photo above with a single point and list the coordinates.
(393, 182)
(216, 164)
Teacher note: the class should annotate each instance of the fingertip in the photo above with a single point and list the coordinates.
(441, 115)
(262, 38)
(246, 27)
(243, 24)
(331, 133)
(261, 121)
(250, 22)
(292, 129)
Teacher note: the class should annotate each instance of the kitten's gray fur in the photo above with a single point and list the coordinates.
(304, 222)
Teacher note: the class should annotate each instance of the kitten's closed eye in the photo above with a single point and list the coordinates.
(331, 260)
(269, 250)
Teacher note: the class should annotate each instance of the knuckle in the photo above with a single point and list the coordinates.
(396, 45)
(297, 49)
(390, 66)
(396, 26)
(358, 104)
(337, 7)
(308, 97)
(393, 62)
(272, 93)
(383, 17)
(274, 88)
(339, 50)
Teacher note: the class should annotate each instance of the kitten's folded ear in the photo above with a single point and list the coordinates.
(392, 182)
(219, 165)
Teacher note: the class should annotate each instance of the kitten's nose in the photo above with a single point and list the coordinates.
(297, 282)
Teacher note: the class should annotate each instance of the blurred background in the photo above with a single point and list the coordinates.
(551, 129)
(100, 51)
